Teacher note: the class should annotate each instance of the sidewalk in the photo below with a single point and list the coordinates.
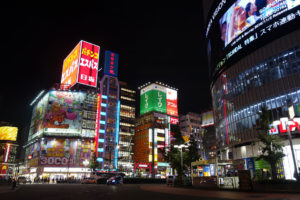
(219, 193)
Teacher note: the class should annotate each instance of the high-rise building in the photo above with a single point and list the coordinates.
(158, 111)
(127, 128)
(254, 62)
(61, 136)
(78, 122)
(108, 116)
(208, 135)
(190, 125)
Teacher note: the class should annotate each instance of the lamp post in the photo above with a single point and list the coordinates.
(181, 159)
(292, 149)
(291, 115)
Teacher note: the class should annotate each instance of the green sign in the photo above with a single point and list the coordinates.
(153, 100)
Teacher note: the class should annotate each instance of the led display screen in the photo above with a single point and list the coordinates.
(237, 27)
(111, 63)
(8, 133)
(81, 66)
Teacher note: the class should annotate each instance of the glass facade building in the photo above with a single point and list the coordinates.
(127, 128)
(252, 65)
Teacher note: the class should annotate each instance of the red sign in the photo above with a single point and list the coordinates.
(172, 108)
(89, 61)
(174, 120)
(142, 166)
(97, 123)
(29, 157)
(81, 66)
(282, 126)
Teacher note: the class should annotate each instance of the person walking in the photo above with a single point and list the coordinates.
(14, 184)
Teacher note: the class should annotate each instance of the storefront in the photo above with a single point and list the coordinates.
(206, 173)
(54, 174)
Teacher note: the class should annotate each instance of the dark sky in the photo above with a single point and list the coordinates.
(157, 43)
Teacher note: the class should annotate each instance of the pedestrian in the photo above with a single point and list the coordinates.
(14, 184)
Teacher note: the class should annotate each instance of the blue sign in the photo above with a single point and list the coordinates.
(111, 63)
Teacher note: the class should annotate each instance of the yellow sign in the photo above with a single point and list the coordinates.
(8, 133)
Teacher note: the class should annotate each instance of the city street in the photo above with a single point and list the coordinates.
(144, 192)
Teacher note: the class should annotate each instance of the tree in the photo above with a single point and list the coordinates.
(175, 129)
(192, 153)
(93, 163)
(272, 151)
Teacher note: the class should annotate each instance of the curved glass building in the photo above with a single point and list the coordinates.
(253, 49)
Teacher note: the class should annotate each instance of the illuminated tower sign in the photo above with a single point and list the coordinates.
(160, 99)
(81, 66)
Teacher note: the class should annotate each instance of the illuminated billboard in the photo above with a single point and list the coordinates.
(60, 113)
(63, 114)
(89, 61)
(153, 98)
(81, 66)
(65, 152)
(8, 133)
(172, 106)
(111, 63)
(70, 67)
(236, 27)
(38, 114)
(207, 119)
(160, 99)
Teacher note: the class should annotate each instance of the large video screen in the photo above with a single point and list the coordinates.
(245, 13)
(237, 27)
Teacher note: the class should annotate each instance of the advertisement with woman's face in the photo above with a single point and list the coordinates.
(245, 13)
(238, 27)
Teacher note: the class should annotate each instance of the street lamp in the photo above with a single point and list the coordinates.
(286, 122)
(181, 159)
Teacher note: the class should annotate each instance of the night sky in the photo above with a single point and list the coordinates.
(154, 44)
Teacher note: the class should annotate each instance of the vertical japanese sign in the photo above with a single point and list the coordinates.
(111, 63)
(172, 107)
(88, 67)
(70, 68)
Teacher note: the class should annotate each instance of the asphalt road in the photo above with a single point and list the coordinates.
(88, 192)
(130, 191)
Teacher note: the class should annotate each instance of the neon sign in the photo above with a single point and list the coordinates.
(111, 63)
(81, 66)
(142, 166)
(283, 125)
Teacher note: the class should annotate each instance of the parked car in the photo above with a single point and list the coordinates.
(88, 181)
(170, 180)
(115, 180)
(23, 180)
